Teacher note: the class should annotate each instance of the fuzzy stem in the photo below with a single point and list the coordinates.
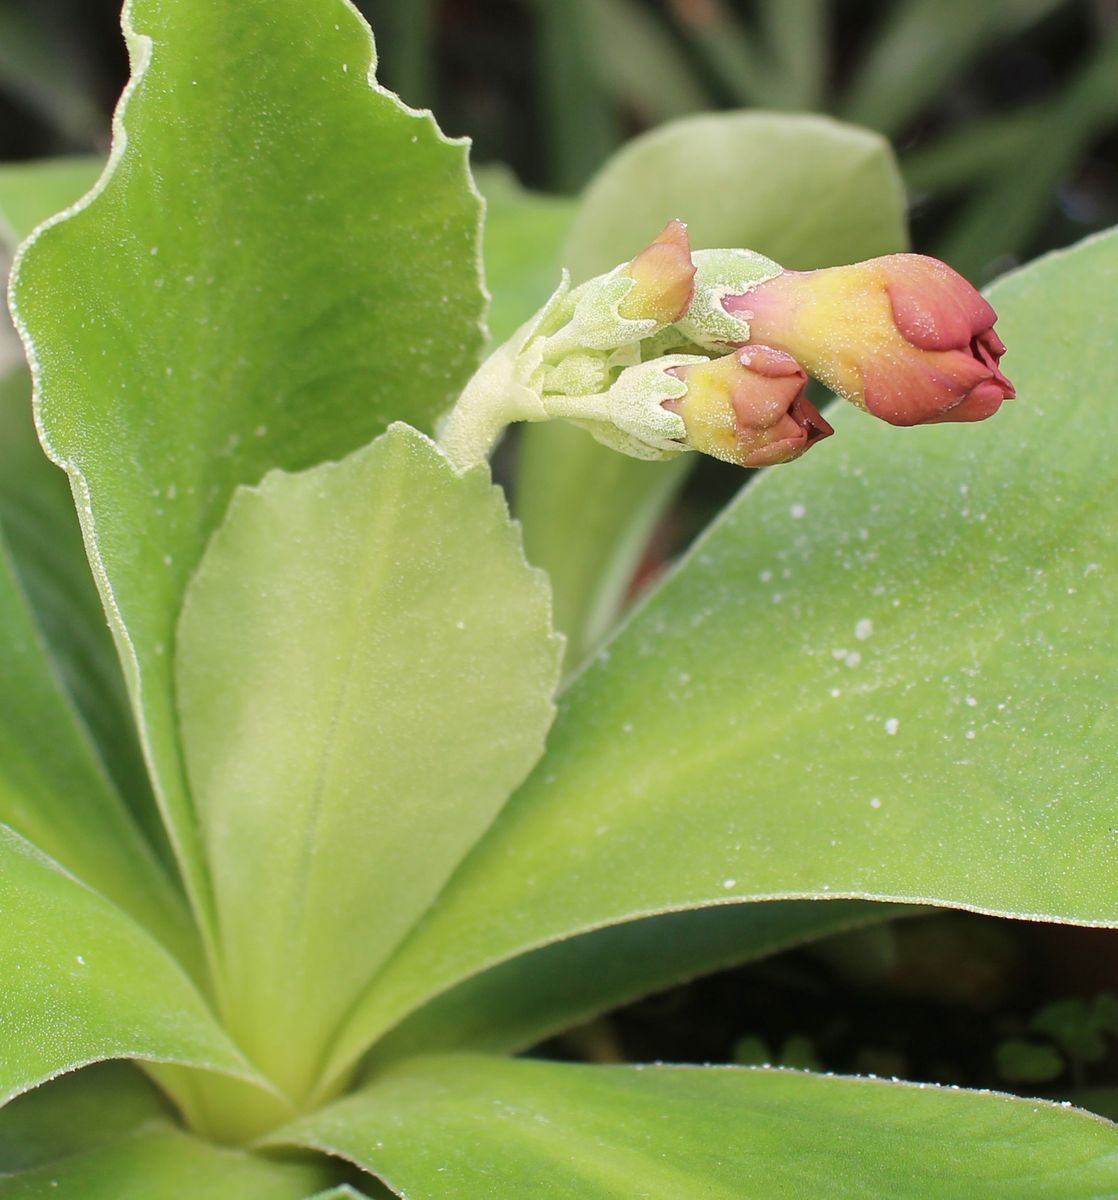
(493, 399)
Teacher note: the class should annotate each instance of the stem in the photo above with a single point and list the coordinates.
(493, 399)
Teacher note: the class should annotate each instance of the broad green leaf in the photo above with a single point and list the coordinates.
(808, 191)
(83, 982)
(40, 526)
(280, 260)
(535, 995)
(805, 190)
(161, 1163)
(32, 192)
(886, 673)
(523, 233)
(485, 1128)
(365, 669)
(53, 787)
(76, 1113)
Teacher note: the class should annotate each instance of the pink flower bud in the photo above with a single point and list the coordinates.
(664, 278)
(903, 336)
(748, 407)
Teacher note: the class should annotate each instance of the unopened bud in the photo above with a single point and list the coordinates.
(748, 407)
(663, 278)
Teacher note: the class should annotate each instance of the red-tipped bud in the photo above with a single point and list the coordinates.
(904, 336)
(748, 407)
(663, 278)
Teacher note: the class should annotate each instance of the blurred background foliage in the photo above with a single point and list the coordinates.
(1004, 112)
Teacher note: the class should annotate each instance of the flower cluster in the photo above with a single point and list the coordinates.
(711, 350)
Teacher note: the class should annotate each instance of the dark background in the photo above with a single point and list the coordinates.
(1004, 112)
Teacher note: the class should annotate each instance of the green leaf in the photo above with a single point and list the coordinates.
(472, 1127)
(885, 673)
(523, 233)
(161, 1163)
(32, 192)
(365, 672)
(233, 297)
(511, 1006)
(54, 790)
(76, 1113)
(40, 526)
(83, 982)
(805, 190)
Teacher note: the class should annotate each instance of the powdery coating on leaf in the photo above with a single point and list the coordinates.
(365, 668)
(190, 482)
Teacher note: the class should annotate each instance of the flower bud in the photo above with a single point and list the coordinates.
(903, 336)
(663, 278)
(748, 407)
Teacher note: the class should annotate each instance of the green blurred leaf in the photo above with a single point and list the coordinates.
(1019, 1061)
(41, 529)
(31, 192)
(731, 52)
(1105, 1012)
(365, 669)
(577, 115)
(975, 151)
(807, 191)
(1072, 1025)
(921, 46)
(48, 71)
(476, 1128)
(234, 297)
(407, 32)
(885, 673)
(640, 64)
(998, 220)
(83, 982)
(796, 36)
(523, 233)
(160, 1163)
(76, 1113)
